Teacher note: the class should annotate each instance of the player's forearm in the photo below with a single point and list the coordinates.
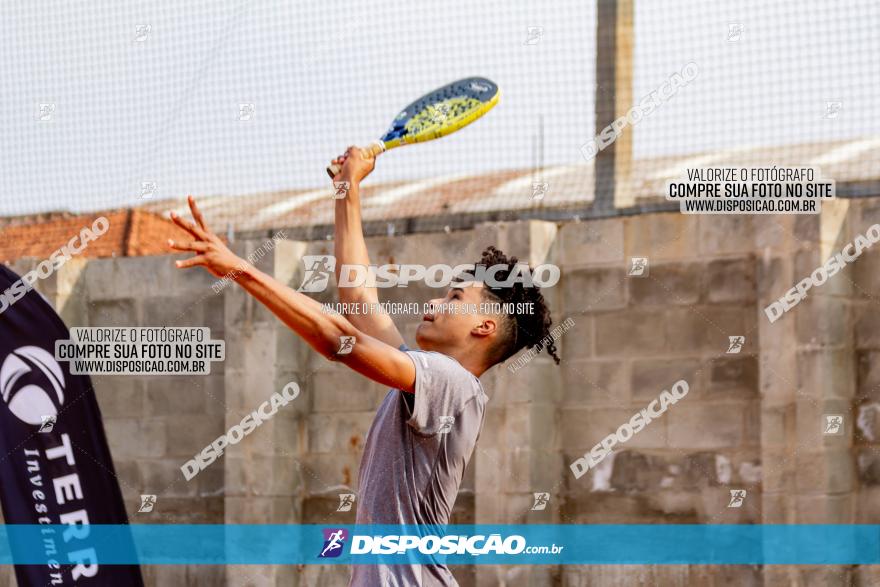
(350, 248)
(303, 315)
(323, 332)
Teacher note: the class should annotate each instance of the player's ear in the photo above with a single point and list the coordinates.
(486, 327)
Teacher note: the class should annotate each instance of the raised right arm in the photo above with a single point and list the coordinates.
(351, 249)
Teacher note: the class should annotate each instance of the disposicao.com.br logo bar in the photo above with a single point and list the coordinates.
(581, 544)
(420, 547)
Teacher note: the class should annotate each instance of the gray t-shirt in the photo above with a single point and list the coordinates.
(415, 455)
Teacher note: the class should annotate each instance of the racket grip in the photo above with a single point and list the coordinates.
(372, 150)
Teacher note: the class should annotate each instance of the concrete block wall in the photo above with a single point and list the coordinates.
(156, 423)
(751, 420)
(865, 390)
(634, 337)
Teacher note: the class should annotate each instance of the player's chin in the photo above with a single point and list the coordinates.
(425, 333)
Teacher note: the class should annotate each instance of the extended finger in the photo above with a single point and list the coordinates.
(191, 262)
(189, 227)
(197, 214)
(195, 246)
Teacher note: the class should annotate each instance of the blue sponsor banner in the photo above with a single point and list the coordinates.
(169, 544)
(55, 464)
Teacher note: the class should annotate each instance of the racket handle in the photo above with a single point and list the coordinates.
(372, 150)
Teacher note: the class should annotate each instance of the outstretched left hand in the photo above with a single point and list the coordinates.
(211, 252)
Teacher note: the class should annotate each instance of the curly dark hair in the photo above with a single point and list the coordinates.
(517, 330)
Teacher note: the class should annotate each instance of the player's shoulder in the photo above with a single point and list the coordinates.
(438, 357)
(439, 361)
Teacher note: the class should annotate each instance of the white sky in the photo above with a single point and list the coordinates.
(326, 74)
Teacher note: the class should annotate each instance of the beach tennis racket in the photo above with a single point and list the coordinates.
(435, 115)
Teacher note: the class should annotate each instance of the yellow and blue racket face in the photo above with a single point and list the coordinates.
(443, 111)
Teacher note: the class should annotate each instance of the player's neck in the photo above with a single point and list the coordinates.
(470, 360)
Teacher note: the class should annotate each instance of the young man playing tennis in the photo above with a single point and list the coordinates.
(426, 428)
